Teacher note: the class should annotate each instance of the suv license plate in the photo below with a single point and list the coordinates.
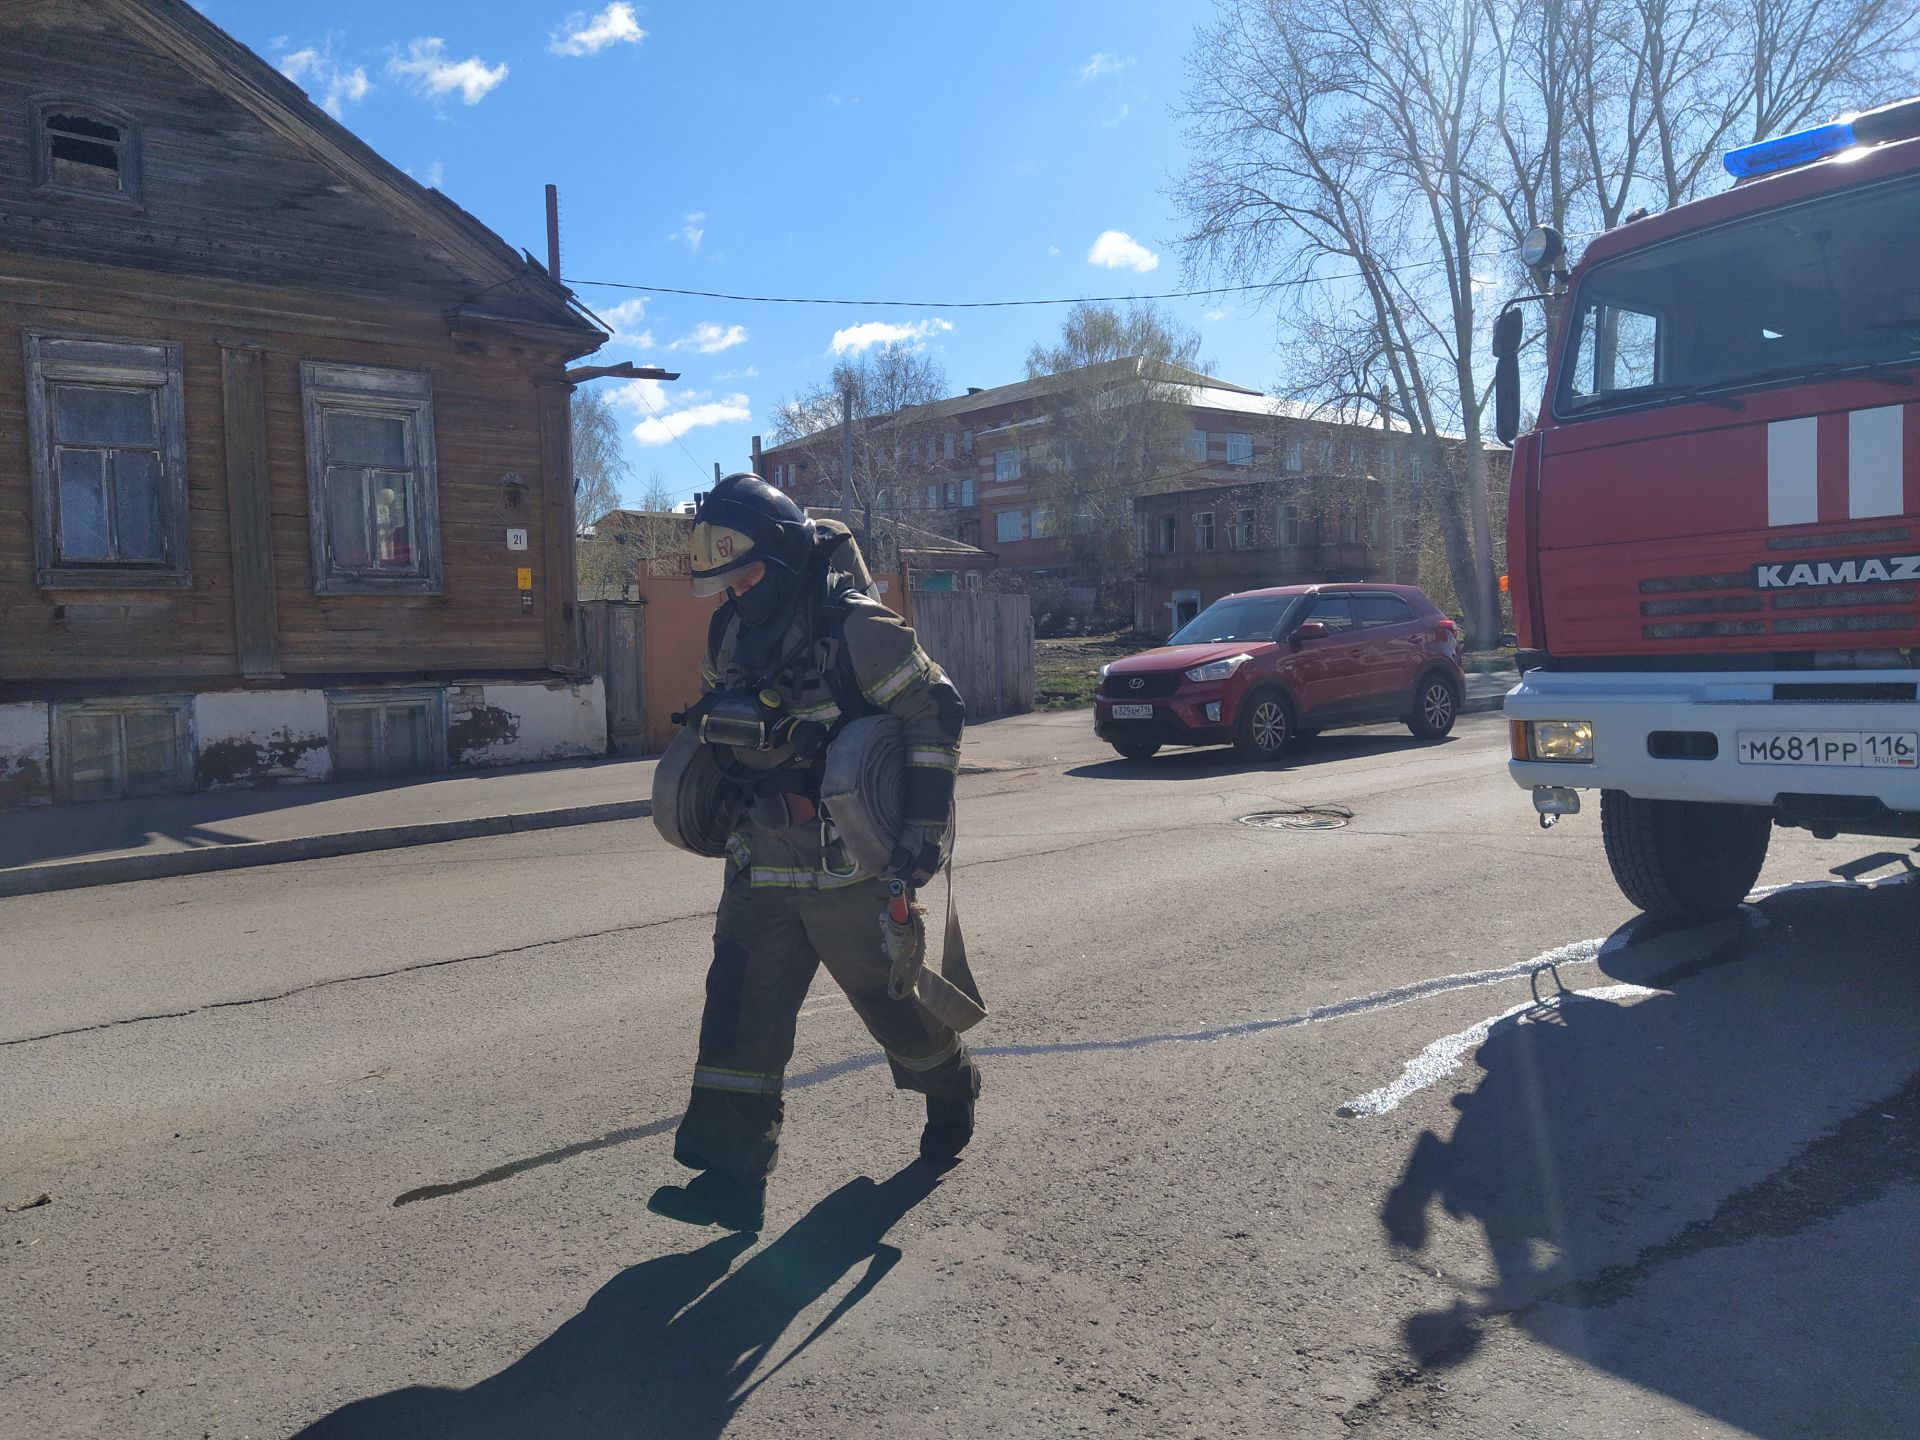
(1133, 712)
(1871, 749)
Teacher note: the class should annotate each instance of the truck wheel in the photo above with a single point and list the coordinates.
(1683, 859)
(1265, 726)
(1136, 749)
(1436, 705)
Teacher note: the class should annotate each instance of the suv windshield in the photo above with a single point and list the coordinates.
(1252, 617)
(1812, 290)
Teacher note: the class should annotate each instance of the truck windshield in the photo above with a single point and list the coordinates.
(1831, 286)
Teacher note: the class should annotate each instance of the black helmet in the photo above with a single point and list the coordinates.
(744, 521)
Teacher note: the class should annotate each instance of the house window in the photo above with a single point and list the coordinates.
(966, 442)
(966, 490)
(120, 750)
(1289, 524)
(779, 476)
(1354, 461)
(1376, 526)
(913, 451)
(371, 491)
(106, 426)
(1197, 445)
(1239, 449)
(946, 446)
(86, 150)
(1045, 527)
(1296, 454)
(1243, 529)
(1009, 525)
(1350, 526)
(1169, 534)
(933, 496)
(1203, 531)
(1326, 454)
(376, 735)
(950, 493)
(1006, 466)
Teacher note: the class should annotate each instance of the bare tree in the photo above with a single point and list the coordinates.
(627, 544)
(891, 386)
(599, 461)
(1112, 429)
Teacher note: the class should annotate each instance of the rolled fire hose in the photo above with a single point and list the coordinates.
(694, 805)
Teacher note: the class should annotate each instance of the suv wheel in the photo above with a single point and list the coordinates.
(1265, 726)
(1436, 705)
(1683, 859)
(1137, 749)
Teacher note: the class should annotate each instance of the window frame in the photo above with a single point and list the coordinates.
(1196, 444)
(40, 141)
(386, 391)
(1243, 532)
(1023, 526)
(1167, 532)
(180, 706)
(1239, 447)
(54, 358)
(1012, 468)
(433, 697)
(1203, 533)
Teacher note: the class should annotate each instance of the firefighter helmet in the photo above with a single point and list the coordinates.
(745, 521)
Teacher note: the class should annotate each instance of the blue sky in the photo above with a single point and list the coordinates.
(884, 150)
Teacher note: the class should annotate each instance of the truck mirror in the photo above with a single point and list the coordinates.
(1507, 330)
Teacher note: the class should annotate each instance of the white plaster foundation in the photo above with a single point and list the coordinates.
(26, 755)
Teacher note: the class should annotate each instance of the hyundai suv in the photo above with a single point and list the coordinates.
(1262, 668)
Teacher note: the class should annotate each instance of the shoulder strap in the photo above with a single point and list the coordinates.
(842, 681)
(717, 631)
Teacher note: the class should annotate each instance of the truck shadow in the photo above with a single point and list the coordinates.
(1709, 1192)
(671, 1346)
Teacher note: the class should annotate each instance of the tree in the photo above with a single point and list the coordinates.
(1113, 429)
(599, 461)
(1373, 164)
(891, 385)
(627, 544)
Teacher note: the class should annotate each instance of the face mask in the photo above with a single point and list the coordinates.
(763, 602)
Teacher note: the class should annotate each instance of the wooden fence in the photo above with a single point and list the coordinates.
(985, 643)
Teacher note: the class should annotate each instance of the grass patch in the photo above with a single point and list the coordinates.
(1066, 670)
(1488, 662)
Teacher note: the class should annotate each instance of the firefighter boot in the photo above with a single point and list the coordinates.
(711, 1198)
(949, 1125)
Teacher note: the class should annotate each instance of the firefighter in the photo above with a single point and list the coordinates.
(797, 650)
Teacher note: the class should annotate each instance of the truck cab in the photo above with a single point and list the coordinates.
(1716, 521)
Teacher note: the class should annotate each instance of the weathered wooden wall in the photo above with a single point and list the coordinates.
(612, 645)
(984, 643)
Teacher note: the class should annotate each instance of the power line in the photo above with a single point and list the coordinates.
(639, 392)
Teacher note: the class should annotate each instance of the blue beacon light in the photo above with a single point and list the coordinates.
(1872, 127)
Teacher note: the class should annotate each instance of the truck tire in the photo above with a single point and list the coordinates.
(1683, 859)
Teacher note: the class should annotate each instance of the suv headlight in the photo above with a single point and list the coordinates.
(1103, 671)
(1217, 669)
(1564, 740)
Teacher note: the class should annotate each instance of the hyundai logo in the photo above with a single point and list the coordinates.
(1136, 683)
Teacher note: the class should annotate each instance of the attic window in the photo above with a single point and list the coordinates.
(86, 150)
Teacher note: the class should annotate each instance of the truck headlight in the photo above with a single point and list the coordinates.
(1562, 740)
(1217, 669)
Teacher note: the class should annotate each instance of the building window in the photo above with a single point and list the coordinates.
(1169, 534)
(1006, 466)
(779, 476)
(1326, 454)
(933, 497)
(966, 490)
(1045, 527)
(966, 442)
(1296, 454)
(913, 451)
(86, 150)
(950, 493)
(1376, 526)
(376, 735)
(946, 446)
(1289, 524)
(1354, 461)
(107, 427)
(1243, 529)
(371, 489)
(1009, 525)
(123, 749)
(1203, 531)
(1197, 445)
(1239, 449)
(1350, 526)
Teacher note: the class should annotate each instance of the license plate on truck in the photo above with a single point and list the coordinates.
(1871, 749)
(1133, 712)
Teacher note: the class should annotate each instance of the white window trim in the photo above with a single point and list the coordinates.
(406, 393)
(91, 360)
(1207, 530)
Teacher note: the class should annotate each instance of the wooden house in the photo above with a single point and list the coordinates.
(284, 436)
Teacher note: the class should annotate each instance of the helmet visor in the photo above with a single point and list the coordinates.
(717, 553)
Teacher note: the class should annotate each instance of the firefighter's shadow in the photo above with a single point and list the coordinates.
(1707, 1190)
(668, 1347)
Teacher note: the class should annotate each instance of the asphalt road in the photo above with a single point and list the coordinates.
(1288, 1132)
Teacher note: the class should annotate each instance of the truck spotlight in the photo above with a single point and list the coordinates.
(1561, 740)
(1542, 248)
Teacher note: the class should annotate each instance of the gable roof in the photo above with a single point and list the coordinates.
(214, 57)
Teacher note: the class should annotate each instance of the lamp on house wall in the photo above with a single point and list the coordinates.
(513, 488)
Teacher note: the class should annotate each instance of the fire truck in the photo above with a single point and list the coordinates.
(1715, 520)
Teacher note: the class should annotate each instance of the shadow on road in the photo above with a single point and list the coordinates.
(1211, 762)
(1710, 1192)
(668, 1346)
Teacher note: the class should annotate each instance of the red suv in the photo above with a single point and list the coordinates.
(1261, 668)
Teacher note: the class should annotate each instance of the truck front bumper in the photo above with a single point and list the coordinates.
(1653, 734)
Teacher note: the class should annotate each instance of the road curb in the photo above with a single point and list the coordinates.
(121, 869)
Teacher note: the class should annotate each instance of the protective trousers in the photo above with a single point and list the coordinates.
(782, 914)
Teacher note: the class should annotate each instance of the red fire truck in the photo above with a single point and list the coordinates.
(1715, 522)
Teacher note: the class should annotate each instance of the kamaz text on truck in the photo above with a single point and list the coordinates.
(1715, 522)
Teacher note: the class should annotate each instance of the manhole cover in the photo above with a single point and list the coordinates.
(1299, 817)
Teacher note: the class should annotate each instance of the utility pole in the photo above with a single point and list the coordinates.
(553, 232)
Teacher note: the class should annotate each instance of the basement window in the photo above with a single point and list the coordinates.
(380, 735)
(86, 149)
(122, 750)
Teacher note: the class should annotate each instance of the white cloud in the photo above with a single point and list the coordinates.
(693, 231)
(836, 101)
(1116, 115)
(856, 338)
(752, 372)
(1104, 62)
(333, 86)
(669, 415)
(1214, 317)
(581, 34)
(1053, 250)
(625, 319)
(433, 74)
(710, 339)
(1117, 250)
